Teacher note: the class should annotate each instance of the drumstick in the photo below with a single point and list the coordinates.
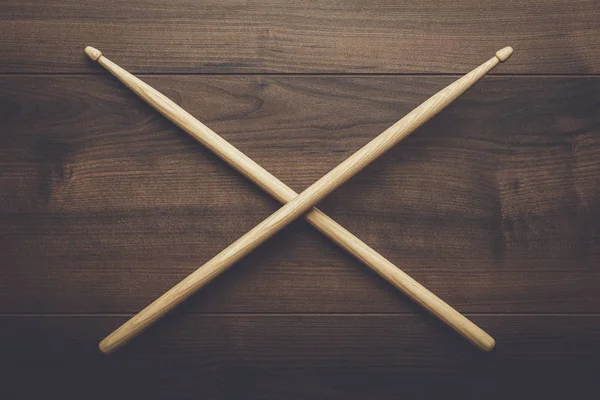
(298, 205)
(284, 194)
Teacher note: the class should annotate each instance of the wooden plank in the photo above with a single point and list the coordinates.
(302, 356)
(287, 36)
(493, 204)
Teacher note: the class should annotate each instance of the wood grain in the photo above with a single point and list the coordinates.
(100, 194)
(183, 36)
(300, 356)
(99, 209)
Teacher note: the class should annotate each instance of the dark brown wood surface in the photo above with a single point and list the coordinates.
(494, 204)
(261, 356)
(381, 36)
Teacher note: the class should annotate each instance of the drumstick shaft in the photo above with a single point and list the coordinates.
(297, 205)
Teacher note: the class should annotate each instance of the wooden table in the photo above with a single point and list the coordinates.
(494, 205)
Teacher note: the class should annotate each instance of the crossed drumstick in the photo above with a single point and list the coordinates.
(296, 205)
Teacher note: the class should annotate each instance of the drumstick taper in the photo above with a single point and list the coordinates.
(308, 198)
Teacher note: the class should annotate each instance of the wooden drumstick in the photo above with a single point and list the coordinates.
(298, 205)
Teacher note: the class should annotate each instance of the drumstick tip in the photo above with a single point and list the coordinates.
(92, 53)
(504, 54)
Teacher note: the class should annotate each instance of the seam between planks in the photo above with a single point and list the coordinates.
(303, 314)
(300, 74)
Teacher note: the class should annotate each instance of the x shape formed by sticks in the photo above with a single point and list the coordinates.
(296, 205)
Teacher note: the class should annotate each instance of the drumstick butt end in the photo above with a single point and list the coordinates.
(504, 54)
(488, 345)
(92, 53)
(105, 347)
